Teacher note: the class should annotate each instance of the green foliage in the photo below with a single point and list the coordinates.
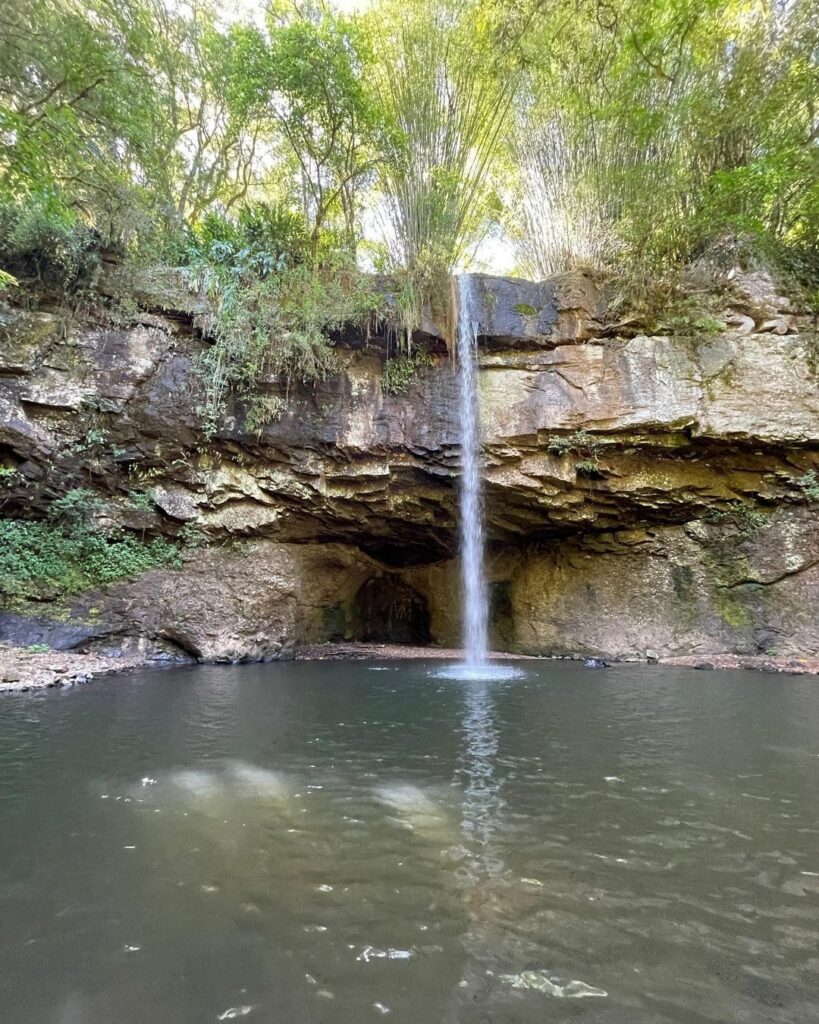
(141, 501)
(630, 138)
(401, 371)
(71, 550)
(131, 112)
(192, 537)
(313, 63)
(62, 555)
(75, 509)
(275, 332)
(224, 252)
(581, 442)
(747, 518)
(38, 648)
(687, 315)
(809, 485)
(43, 242)
(274, 312)
(649, 131)
(661, 304)
(264, 409)
(425, 285)
(689, 321)
(97, 445)
(7, 281)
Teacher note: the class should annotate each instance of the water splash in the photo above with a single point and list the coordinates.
(472, 541)
(488, 672)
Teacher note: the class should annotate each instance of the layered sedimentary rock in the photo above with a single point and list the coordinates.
(697, 589)
(645, 495)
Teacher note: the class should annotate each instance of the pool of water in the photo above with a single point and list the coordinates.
(328, 842)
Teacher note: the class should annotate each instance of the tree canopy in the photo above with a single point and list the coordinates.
(592, 133)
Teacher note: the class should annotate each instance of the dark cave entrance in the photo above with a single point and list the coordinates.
(390, 611)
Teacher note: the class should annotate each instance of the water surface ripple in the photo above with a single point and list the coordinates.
(327, 843)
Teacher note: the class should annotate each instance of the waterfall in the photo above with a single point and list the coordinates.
(475, 613)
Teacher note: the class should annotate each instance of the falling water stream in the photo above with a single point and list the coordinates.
(472, 541)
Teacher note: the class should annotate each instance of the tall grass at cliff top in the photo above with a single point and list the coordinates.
(652, 134)
(436, 79)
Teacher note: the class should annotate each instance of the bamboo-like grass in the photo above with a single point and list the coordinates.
(437, 79)
(593, 188)
(631, 154)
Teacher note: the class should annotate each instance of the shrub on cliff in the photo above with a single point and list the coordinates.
(277, 333)
(42, 243)
(275, 316)
(401, 371)
(39, 560)
(225, 250)
(67, 553)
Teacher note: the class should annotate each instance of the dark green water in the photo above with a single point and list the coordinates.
(345, 842)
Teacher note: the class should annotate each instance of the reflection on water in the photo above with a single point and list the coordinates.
(485, 879)
(325, 843)
(480, 873)
(482, 802)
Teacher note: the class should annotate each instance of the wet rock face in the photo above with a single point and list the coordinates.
(750, 588)
(613, 469)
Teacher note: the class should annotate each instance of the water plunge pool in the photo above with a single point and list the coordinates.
(341, 842)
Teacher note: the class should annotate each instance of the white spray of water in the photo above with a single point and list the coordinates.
(472, 542)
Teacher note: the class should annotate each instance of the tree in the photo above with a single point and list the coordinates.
(129, 110)
(69, 88)
(308, 75)
(204, 131)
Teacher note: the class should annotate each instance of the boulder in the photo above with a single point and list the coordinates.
(513, 313)
(755, 294)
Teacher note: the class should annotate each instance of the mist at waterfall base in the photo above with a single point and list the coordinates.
(475, 605)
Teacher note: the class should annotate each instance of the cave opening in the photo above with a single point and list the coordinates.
(388, 610)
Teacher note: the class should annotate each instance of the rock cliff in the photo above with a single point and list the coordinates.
(646, 496)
